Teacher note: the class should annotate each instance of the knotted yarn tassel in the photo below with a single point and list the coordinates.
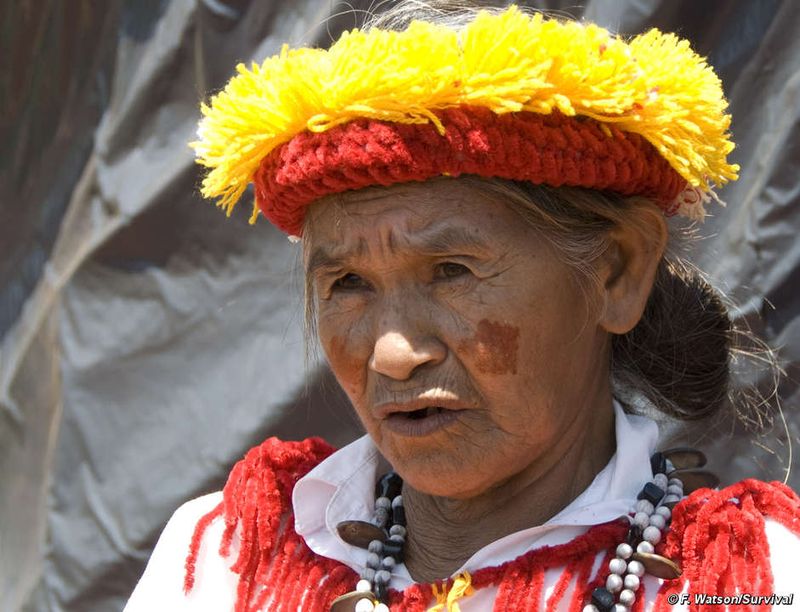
(448, 601)
(440, 593)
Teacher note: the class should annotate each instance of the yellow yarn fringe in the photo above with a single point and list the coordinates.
(448, 602)
(653, 85)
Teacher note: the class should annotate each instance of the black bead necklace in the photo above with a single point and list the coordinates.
(385, 539)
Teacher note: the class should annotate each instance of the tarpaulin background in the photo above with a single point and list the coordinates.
(147, 342)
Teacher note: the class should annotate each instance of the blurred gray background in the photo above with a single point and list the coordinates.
(146, 342)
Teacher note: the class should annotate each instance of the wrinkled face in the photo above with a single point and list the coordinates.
(464, 344)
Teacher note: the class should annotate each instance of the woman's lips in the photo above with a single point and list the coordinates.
(421, 422)
(422, 402)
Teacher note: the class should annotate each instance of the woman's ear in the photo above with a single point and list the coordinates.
(628, 268)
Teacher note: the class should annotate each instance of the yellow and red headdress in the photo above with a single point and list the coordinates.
(509, 95)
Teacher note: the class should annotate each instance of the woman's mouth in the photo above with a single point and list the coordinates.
(423, 412)
(421, 422)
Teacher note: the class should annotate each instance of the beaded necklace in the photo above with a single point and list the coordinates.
(676, 471)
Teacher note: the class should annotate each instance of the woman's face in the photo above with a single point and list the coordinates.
(465, 345)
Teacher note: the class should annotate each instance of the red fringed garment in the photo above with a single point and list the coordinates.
(717, 537)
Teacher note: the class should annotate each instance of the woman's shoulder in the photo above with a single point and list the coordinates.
(162, 583)
(192, 566)
(746, 534)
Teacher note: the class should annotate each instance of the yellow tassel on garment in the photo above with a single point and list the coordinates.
(448, 601)
(654, 85)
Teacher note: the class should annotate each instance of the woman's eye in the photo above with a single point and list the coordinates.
(450, 269)
(349, 281)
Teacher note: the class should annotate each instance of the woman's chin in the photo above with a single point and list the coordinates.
(440, 473)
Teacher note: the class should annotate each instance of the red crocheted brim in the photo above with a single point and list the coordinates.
(549, 149)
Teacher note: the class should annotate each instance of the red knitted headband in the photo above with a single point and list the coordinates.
(546, 149)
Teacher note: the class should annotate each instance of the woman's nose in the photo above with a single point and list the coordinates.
(397, 356)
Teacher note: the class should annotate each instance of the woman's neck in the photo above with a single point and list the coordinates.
(444, 533)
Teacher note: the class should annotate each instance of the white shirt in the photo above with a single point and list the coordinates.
(342, 488)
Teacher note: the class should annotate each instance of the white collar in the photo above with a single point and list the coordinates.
(342, 488)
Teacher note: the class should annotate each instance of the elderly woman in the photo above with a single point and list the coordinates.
(481, 203)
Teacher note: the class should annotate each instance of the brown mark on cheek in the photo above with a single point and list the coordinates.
(493, 348)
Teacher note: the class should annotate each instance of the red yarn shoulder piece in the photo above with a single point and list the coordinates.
(720, 539)
(257, 499)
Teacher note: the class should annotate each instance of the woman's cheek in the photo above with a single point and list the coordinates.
(348, 366)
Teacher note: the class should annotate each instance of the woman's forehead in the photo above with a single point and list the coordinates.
(435, 215)
(438, 239)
